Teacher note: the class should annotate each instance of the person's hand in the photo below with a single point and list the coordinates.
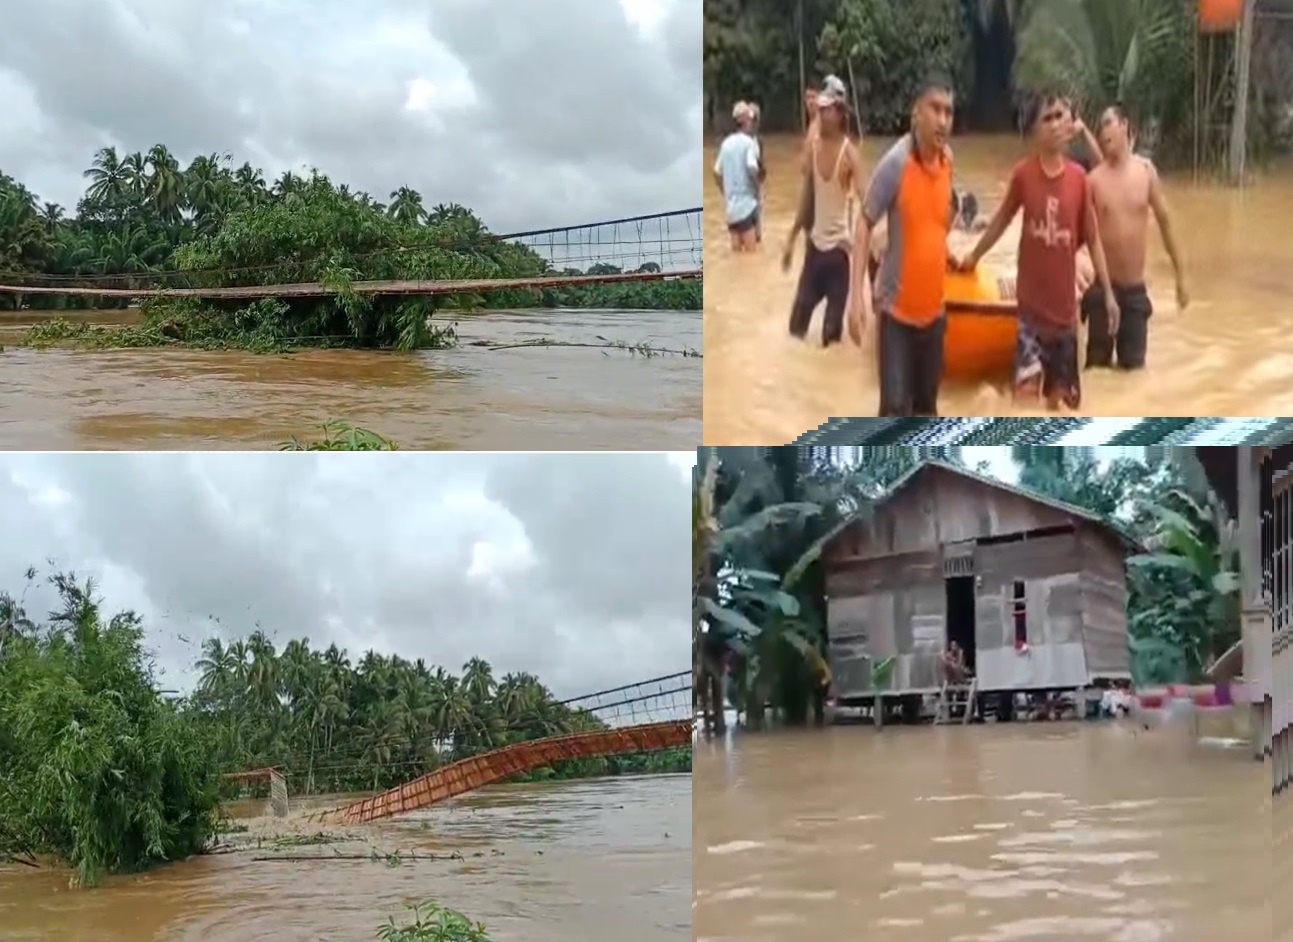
(1182, 295)
(787, 256)
(1078, 127)
(1114, 315)
(963, 263)
(855, 312)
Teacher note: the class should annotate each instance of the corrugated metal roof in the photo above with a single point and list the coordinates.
(1047, 431)
(1073, 510)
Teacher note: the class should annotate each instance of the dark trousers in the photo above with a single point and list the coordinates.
(825, 275)
(911, 366)
(1132, 339)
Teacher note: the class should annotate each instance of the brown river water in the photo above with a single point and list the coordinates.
(547, 398)
(1229, 354)
(1060, 832)
(563, 862)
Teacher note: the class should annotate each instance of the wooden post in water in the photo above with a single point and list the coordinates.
(1239, 121)
(1256, 621)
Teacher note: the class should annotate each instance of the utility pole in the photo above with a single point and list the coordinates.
(1239, 122)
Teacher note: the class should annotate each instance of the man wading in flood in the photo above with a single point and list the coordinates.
(736, 171)
(1125, 189)
(833, 173)
(1059, 216)
(912, 188)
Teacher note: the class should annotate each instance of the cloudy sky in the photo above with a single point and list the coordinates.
(534, 114)
(573, 567)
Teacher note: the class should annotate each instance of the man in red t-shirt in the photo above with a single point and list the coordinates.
(1059, 217)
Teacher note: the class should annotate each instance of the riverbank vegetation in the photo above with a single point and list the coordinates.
(103, 772)
(762, 516)
(1141, 53)
(146, 222)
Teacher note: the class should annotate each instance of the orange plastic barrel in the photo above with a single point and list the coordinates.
(980, 339)
(1219, 16)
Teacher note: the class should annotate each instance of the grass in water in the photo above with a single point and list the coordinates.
(341, 436)
(434, 923)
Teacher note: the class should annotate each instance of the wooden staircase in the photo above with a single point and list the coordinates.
(956, 697)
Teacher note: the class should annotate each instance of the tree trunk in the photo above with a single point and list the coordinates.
(1239, 122)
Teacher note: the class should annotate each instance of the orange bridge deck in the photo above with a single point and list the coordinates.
(469, 774)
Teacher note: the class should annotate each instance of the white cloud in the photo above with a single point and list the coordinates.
(513, 109)
(574, 567)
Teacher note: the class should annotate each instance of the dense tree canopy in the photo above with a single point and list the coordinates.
(101, 771)
(762, 516)
(146, 221)
(1141, 53)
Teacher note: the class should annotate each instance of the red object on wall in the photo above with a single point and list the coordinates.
(1219, 16)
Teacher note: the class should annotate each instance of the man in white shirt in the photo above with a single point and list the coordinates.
(736, 171)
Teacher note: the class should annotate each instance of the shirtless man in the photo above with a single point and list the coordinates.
(832, 174)
(1059, 217)
(736, 171)
(1126, 189)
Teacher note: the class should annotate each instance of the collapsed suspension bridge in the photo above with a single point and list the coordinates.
(641, 717)
(656, 247)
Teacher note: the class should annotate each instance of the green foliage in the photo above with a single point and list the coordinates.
(759, 584)
(221, 227)
(101, 773)
(1140, 53)
(1183, 607)
(891, 47)
(341, 436)
(432, 922)
(332, 726)
(1137, 52)
(96, 769)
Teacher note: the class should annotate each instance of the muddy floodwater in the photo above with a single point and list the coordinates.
(564, 862)
(464, 398)
(1011, 833)
(1229, 354)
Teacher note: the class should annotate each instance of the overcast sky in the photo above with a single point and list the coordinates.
(573, 567)
(533, 114)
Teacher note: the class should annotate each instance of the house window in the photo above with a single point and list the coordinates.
(1019, 609)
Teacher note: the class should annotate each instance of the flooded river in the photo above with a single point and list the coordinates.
(564, 862)
(1229, 355)
(465, 398)
(1048, 832)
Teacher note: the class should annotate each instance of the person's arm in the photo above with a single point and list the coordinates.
(804, 213)
(1092, 145)
(1158, 202)
(853, 157)
(752, 161)
(880, 196)
(1001, 219)
(718, 174)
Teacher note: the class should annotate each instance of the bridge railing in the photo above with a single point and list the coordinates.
(668, 243)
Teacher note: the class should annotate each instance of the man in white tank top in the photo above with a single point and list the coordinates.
(832, 177)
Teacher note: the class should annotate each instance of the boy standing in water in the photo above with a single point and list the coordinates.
(833, 174)
(1125, 189)
(736, 171)
(1059, 217)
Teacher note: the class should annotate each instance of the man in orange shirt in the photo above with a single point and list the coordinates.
(912, 188)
